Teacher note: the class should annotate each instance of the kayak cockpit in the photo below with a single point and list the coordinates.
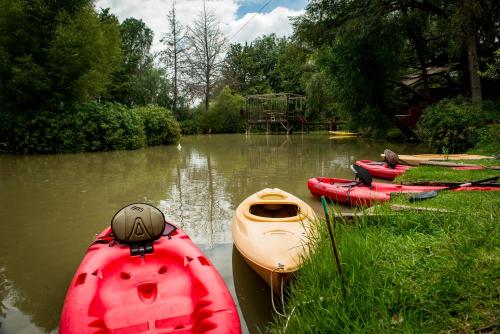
(274, 210)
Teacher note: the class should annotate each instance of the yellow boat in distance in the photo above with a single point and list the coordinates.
(342, 137)
(344, 133)
(417, 159)
(270, 230)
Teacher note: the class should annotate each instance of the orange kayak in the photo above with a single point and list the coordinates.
(417, 159)
(270, 230)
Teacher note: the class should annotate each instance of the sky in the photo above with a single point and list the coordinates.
(233, 15)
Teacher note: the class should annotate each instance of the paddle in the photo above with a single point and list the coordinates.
(332, 239)
(430, 194)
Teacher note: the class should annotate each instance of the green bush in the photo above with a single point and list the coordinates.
(488, 141)
(109, 126)
(224, 113)
(450, 126)
(189, 126)
(43, 132)
(160, 126)
(491, 109)
(85, 127)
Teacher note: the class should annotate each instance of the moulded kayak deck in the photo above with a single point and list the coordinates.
(173, 290)
(270, 230)
(353, 193)
(381, 169)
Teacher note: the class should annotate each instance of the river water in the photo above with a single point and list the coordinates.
(51, 207)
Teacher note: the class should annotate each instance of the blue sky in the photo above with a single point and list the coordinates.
(252, 6)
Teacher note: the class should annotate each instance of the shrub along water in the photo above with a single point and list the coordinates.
(488, 141)
(224, 113)
(160, 125)
(410, 272)
(451, 126)
(89, 127)
(110, 126)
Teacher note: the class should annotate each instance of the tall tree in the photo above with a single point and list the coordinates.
(54, 53)
(174, 54)
(206, 47)
(136, 40)
(470, 39)
(268, 64)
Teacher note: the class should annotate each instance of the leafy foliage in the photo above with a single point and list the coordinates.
(160, 127)
(87, 127)
(53, 53)
(268, 64)
(138, 82)
(224, 113)
(90, 126)
(109, 126)
(451, 126)
(488, 140)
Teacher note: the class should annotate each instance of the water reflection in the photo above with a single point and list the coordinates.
(53, 205)
(253, 295)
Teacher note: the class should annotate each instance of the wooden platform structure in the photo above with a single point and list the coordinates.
(280, 111)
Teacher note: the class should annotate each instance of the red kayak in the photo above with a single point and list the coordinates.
(383, 171)
(355, 193)
(138, 277)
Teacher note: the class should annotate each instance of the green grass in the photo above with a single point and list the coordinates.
(428, 173)
(406, 272)
(487, 149)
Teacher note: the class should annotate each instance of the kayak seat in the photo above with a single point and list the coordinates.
(138, 225)
(274, 210)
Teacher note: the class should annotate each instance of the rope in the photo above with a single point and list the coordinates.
(272, 292)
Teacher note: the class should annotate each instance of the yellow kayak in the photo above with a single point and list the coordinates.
(342, 137)
(270, 230)
(417, 159)
(343, 133)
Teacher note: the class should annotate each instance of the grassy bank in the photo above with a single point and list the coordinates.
(408, 272)
(428, 173)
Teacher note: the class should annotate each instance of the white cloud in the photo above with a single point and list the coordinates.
(276, 21)
(154, 12)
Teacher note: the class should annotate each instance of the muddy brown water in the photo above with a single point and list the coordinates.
(51, 206)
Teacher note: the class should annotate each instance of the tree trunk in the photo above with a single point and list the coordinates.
(409, 134)
(207, 97)
(420, 48)
(207, 58)
(472, 58)
(174, 104)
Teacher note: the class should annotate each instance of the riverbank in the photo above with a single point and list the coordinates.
(440, 174)
(88, 127)
(406, 271)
